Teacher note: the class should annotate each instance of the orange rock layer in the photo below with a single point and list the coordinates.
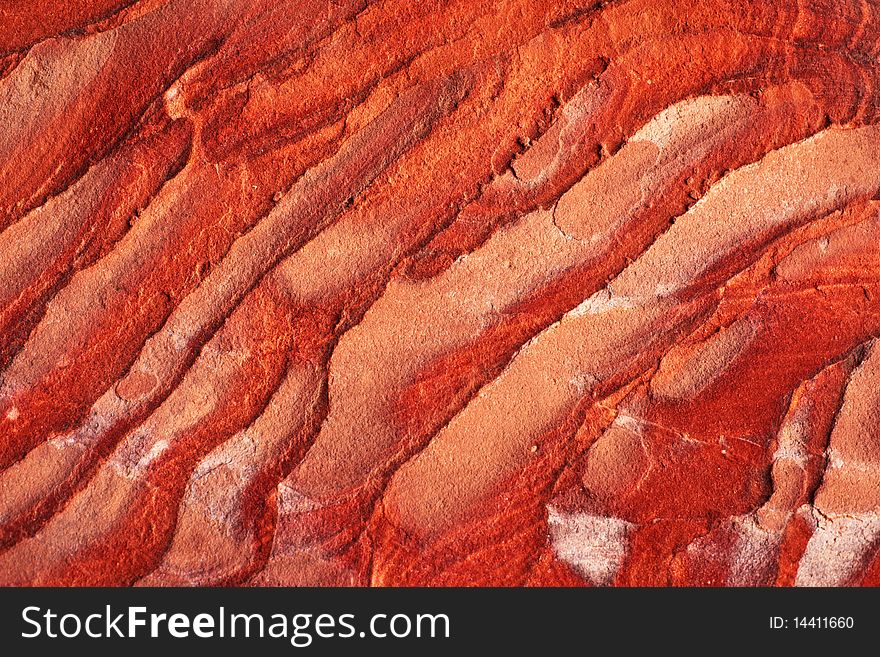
(440, 293)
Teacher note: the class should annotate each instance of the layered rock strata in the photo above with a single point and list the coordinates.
(440, 293)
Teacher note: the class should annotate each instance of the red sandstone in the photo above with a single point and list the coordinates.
(440, 293)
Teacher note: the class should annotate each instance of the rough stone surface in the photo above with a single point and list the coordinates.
(520, 292)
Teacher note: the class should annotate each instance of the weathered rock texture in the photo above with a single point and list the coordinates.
(441, 292)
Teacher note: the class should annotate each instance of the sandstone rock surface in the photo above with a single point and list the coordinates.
(520, 292)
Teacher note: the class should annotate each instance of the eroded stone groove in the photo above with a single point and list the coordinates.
(440, 293)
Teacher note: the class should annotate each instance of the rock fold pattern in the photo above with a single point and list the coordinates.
(448, 292)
